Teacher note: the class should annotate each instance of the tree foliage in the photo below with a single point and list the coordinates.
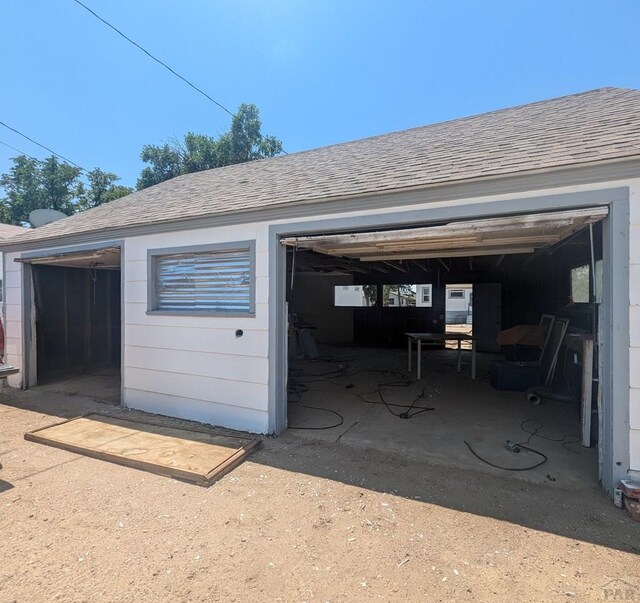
(405, 294)
(101, 189)
(196, 152)
(53, 184)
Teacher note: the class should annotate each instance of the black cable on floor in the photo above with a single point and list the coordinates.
(340, 373)
(542, 462)
(298, 386)
(340, 419)
(407, 414)
(387, 404)
(533, 433)
(332, 359)
(540, 426)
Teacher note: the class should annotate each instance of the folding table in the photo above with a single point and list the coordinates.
(436, 338)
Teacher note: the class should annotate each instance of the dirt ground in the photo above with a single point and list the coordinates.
(300, 521)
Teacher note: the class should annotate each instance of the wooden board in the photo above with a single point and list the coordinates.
(196, 456)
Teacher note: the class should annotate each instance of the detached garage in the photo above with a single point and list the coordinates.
(453, 292)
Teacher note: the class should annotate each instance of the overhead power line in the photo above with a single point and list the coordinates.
(41, 146)
(18, 150)
(156, 59)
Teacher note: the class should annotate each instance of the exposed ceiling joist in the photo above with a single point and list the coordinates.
(455, 253)
(399, 267)
(494, 236)
(459, 253)
(107, 258)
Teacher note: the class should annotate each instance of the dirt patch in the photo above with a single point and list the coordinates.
(300, 521)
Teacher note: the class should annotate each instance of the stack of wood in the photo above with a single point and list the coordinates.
(629, 492)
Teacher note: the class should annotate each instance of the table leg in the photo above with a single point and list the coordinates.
(459, 353)
(409, 354)
(419, 359)
(473, 359)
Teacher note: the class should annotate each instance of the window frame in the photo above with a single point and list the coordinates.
(154, 254)
(571, 271)
(428, 303)
(451, 291)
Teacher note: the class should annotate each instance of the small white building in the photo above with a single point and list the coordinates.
(351, 296)
(184, 286)
(459, 304)
(424, 295)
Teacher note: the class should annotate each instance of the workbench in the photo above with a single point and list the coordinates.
(421, 339)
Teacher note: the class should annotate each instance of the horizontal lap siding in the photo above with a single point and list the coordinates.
(196, 366)
(229, 392)
(198, 338)
(197, 410)
(13, 315)
(221, 365)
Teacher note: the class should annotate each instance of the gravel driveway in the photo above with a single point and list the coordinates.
(300, 521)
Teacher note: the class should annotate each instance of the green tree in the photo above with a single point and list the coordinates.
(196, 152)
(33, 184)
(371, 294)
(52, 184)
(405, 295)
(166, 162)
(101, 189)
(244, 141)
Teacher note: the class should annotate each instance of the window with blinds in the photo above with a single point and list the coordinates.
(209, 281)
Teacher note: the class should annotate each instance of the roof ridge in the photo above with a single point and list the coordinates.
(447, 121)
(397, 132)
(577, 129)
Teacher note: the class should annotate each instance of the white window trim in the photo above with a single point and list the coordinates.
(429, 303)
(153, 254)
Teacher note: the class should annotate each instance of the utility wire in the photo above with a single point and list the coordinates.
(41, 145)
(156, 59)
(18, 150)
(161, 63)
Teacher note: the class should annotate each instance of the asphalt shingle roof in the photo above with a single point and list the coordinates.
(8, 231)
(602, 124)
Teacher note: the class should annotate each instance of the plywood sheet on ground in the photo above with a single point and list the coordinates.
(197, 456)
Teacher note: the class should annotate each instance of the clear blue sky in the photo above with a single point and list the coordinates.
(321, 72)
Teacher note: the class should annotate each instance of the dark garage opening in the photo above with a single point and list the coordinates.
(77, 303)
(353, 298)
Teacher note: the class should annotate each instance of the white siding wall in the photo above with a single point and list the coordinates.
(13, 317)
(194, 366)
(634, 328)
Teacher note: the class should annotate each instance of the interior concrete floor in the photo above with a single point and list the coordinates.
(100, 384)
(463, 410)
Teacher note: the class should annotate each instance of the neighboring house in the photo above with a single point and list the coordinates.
(194, 277)
(424, 296)
(459, 304)
(393, 296)
(7, 231)
(399, 296)
(351, 296)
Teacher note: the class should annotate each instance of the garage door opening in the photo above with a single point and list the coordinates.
(511, 381)
(76, 323)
